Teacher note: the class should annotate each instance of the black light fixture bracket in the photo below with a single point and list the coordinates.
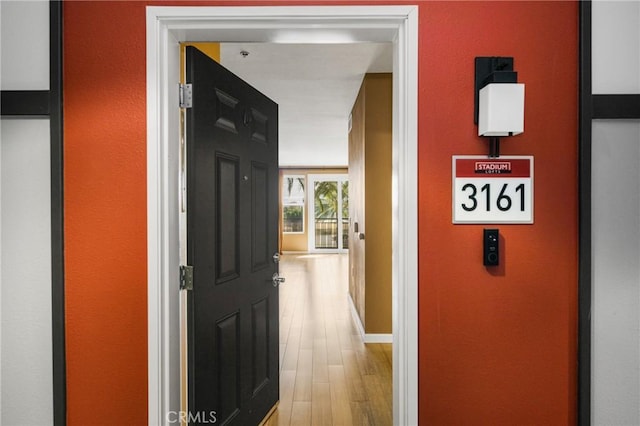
(494, 147)
(492, 69)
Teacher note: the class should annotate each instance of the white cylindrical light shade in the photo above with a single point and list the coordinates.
(501, 109)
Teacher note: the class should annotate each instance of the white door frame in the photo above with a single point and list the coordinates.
(166, 27)
(311, 219)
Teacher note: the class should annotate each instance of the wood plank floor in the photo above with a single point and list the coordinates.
(328, 376)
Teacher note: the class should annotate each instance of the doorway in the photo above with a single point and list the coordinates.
(328, 375)
(328, 196)
(166, 27)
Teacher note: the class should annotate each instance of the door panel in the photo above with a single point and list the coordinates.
(260, 215)
(260, 361)
(226, 356)
(227, 213)
(232, 218)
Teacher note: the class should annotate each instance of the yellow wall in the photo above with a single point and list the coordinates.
(212, 50)
(370, 186)
(300, 242)
(378, 203)
(357, 247)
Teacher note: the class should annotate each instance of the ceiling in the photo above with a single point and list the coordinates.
(315, 86)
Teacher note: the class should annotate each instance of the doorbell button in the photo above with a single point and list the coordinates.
(491, 247)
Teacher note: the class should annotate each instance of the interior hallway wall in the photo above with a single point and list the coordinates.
(615, 202)
(494, 348)
(499, 346)
(370, 210)
(25, 292)
(26, 347)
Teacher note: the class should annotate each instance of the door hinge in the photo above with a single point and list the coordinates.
(186, 277)
(186, 95)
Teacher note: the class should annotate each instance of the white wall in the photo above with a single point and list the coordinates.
(615, 47)
(616, 273)
(26, 372)
(25, 297)
(24, 38)
(615, 374)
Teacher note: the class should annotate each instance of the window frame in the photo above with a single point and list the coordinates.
(285, 204)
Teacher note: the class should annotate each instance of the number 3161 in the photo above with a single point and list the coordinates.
(504, 202)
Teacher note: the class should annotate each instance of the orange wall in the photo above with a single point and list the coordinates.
(498, 349)
(494, 348)
(105, 213)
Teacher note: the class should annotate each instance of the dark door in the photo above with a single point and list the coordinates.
(232, 219)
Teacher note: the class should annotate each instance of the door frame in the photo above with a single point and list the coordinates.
(168, 26)
(311, 235)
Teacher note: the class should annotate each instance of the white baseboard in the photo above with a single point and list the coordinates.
(367, 337)
(356, 318)
(378, 338)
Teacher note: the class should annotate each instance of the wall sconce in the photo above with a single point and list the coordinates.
(499, 100)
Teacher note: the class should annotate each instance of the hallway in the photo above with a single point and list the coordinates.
(327, 375)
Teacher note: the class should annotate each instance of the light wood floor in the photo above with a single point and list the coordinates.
(328, 376)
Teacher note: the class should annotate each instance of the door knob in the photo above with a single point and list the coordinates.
(276, 258)
(277, 279)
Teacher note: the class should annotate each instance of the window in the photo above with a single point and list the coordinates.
(293, 204)
(328, 212)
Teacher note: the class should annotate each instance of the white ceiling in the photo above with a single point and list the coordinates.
(315, 86)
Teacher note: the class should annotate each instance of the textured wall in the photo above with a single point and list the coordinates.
(105, 212)
(498, 348)
(494, 349)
